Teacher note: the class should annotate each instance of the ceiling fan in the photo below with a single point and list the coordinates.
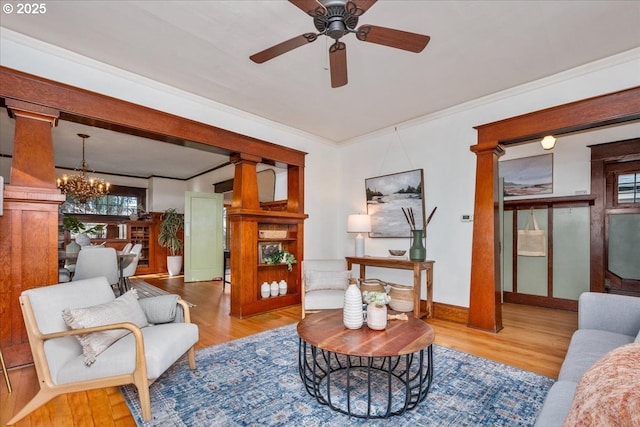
(336, 18)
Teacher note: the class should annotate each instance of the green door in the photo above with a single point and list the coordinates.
(203, 250)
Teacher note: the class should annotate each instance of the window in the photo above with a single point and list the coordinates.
(121, 201)
(629, 188)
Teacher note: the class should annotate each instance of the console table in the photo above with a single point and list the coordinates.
(402, 264)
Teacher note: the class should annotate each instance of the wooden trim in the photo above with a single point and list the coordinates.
(450, 313)
(567, 201)
(617, 107)
(83, 106)
(541, 301)
(602, 110)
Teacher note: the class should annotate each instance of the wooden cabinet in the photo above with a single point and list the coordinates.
(142, 232)
(248, 272)
(153, 256)
(246, 218)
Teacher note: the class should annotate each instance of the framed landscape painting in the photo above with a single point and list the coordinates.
(528, 176)
(387, 195)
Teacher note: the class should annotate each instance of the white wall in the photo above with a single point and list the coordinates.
(334, 176)
(166, 193)
(440, 144)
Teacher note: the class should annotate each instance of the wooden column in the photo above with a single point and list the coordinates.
(485, 294)
(243, 230)
(245, 182)
(295, 189)
(29, 227)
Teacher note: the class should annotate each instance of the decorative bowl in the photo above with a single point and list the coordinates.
(397, 252)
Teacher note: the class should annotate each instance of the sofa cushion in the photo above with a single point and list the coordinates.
(123, 309)
(609, 392)
(586, 347)
(557, 404)
(119, 358)
(324, 299)
(317, 280)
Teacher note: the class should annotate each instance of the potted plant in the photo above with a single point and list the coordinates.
(281, 257)
(75, 226)
(170, 227)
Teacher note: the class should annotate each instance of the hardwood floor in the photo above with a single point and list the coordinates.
(533, 338)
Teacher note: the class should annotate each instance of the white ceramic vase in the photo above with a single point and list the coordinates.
(352, 308)
(83, 240)
(174, 264)
(275, 289)
(376, 317)
(265, 290)
(282, 286)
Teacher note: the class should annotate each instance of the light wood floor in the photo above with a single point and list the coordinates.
(533, 338)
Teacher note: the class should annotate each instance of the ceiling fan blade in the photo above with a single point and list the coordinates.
(358, 7)
(312, 8)
(338, 64)
(393, 38)
(283, 47)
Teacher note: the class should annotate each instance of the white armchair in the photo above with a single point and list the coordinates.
(324, 282)
(64, 365)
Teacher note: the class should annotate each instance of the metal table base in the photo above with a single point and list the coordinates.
(318, 369)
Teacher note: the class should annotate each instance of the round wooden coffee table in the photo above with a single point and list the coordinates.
(362, 372)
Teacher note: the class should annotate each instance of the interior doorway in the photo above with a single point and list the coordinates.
(615, 176)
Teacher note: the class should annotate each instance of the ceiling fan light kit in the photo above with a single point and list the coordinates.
(335, 19)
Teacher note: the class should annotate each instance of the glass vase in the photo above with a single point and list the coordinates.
(417, 252)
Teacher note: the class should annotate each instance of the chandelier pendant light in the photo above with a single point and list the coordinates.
(80, 188)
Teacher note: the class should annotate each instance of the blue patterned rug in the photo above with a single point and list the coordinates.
(254, 381)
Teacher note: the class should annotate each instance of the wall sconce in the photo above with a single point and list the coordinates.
(359, 223)
(548, 142)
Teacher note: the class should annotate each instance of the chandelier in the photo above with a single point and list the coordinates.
(78, 186)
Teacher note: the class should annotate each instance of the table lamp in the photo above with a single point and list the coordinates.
(359, 223)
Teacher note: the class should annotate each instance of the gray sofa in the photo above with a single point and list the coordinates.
(605, 322)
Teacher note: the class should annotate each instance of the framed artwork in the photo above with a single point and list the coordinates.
(528, 176)
(267, 249)
(388, 195)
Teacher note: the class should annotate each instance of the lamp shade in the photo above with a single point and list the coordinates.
(358, 223)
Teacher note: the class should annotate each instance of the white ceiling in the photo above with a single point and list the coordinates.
(476, 48)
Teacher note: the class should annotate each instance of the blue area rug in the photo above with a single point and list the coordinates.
(254, 381)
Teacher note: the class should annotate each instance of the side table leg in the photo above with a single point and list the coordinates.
(416, 290)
